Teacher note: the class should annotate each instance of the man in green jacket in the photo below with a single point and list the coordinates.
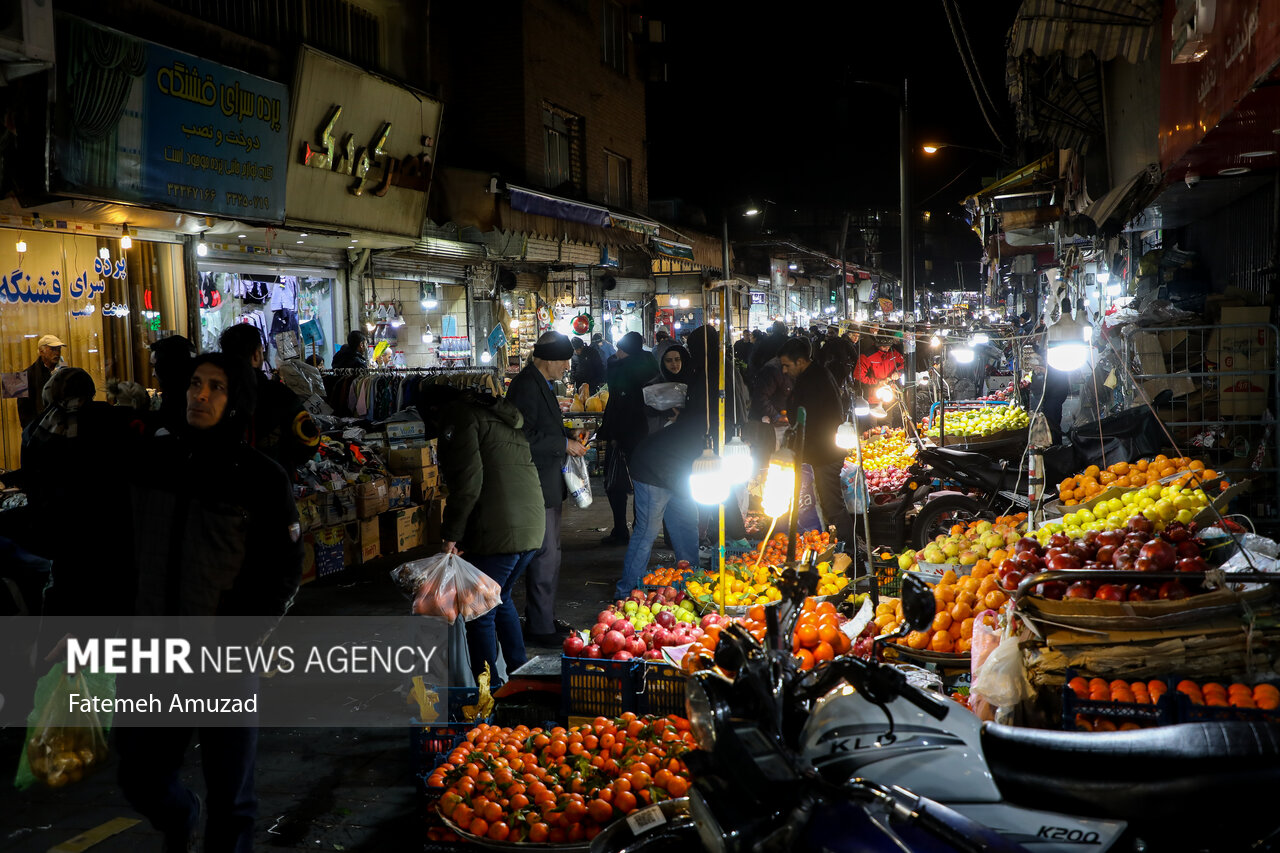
(494, 516)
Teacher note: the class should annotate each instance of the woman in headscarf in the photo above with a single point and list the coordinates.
(676, 364)
(625, 424)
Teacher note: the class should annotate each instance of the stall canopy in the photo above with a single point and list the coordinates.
(1109, 29)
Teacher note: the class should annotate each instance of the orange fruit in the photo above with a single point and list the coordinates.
(942, 642)
(1102, 724)
(1129, 726)
(942, 621)
(961, 611)
(917, 639)
(1100, 694)
(823, 652)
(806, 659)
(963, 646)
(966, 629)
(1091, 471)
(1241, 701)
(995, 599)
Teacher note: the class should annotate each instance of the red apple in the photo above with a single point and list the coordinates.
(612, 642)
(1005, 567)
(1059, 540)
(1112, 592)
(683, 565)
(1065, 563)
(1052, 589)
(1140, 524)
(1080, 589)
(1026, 543)
(1192, 564)
(666, 619)
(1028, 561)
(573, 645)
(1142, 592)
(1173, 591)
(592, 651)
(1110, 537)
(1159, 552)
(1012, 580)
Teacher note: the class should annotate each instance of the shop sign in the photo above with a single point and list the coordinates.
(758, 297)
(364, 149)
(1239, 51)
(47, 289)
(138, 122)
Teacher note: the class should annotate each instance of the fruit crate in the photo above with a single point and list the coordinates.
(591, 687)
(1188, 712)
(662, 690)
(1159, 713)
(428, 748)
(654, 587)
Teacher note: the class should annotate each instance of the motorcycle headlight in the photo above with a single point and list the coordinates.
(700, 708)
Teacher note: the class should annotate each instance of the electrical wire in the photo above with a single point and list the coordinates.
(973, 57)
(968, 73)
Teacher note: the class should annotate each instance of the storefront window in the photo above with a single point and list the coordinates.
(272, 301)
(435, 329)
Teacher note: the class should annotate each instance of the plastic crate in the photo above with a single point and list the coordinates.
(1161, 713)
(1188, 712)
(428, 748)
(593, 688)
(887, 523)
(662, 690)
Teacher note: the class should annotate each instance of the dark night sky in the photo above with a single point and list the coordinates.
(759, 105)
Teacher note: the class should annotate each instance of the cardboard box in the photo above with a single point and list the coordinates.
(339, 506)
(329, 544)
(405, 460)
(1249, 339)
(371, 498)
(399, 492)
(310, 511)
(366, 540)
(401, 430)
(426, 484)
(308, 559)
(401, 530)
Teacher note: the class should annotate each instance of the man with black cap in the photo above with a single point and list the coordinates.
(171, 359)
(549, 444)
(624, 425)
(587, 367)
(48, 359)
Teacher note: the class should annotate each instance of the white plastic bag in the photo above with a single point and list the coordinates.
(447, 586)
(578, 480)
(665, 395)
(1002, 679)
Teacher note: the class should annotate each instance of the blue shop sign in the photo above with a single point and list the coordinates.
(142, 123)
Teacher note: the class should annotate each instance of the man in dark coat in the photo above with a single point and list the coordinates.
(625, 424)
(816, 392)
(354, 354)
(549, 444)
(216, 534)
(587, 366)
(766, 349)
(48, 356)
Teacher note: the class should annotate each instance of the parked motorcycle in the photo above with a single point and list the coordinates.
(753, 791)
(990, 487)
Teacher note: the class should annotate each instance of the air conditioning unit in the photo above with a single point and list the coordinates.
(1192, 24)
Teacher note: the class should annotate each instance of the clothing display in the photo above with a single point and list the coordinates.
(377, 394)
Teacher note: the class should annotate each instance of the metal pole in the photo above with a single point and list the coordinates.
(794, 517)
(904, 202)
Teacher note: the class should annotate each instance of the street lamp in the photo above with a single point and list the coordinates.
(934, 147)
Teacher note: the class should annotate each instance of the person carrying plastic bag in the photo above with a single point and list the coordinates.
(494, 515)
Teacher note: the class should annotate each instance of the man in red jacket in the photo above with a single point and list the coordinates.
(885, 364)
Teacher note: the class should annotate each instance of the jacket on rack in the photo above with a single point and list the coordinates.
(493, 505)
(543, 429)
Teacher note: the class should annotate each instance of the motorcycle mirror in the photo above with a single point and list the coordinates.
(918, 606)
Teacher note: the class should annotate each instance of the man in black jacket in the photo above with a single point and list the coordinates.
(216, 534)
(587, 366)
(281, 428)
(49, 355)
(625, 424)
(816, 392)
(549, 444)
(354, 354)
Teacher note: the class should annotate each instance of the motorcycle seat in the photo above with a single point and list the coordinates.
(976, 465)
(1144, 776)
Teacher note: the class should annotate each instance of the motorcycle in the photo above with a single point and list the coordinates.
(990, 487)
(754, 791)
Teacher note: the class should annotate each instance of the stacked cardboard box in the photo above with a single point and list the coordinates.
(371, 498)
(1241, 344)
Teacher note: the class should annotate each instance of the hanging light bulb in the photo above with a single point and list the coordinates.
(935, 342)
(708, 483)
(21, 245)
(202, 248)
(486, 357)
(104, 253)
(737, 460)
(846, 436)
(979, 338)
(885, 394)
(861, 408)
(1069, 343)
(779, 483)
(878, 411)
(126, 242)
(963, 355)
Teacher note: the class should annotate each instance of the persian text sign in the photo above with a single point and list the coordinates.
(23, 286)
(167, 128)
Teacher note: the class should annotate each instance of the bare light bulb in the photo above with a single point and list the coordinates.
(846, 436)
(21, 246)
(708, 483)
(779, 484)
(202, 248)
(126, 242)
(737, 460)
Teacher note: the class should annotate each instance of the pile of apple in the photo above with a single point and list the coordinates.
(640, 627)
(887, 480)
(1136, 547)
(999, 394)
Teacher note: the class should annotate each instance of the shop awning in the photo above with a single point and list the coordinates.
(674, 251)
(555, 207)
(1113, 210)
(1109, 29)
(1017, 181)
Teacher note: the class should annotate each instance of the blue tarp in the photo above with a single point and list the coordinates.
(539, 204)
